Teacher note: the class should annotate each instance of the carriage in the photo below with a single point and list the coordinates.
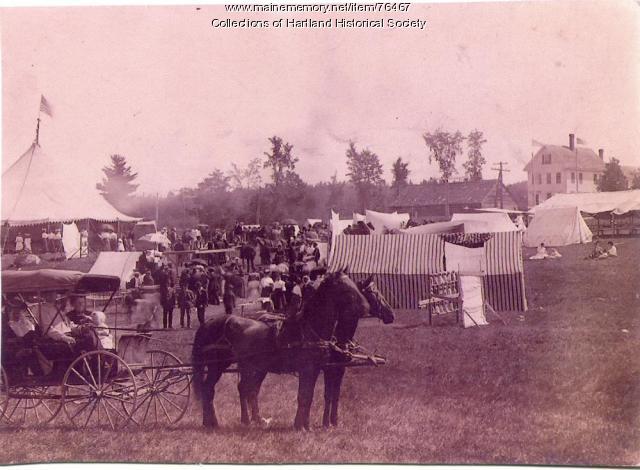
(41, 379)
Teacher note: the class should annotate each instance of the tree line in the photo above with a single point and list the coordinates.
(241, 194)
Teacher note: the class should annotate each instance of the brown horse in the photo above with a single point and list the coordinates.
(332, 313)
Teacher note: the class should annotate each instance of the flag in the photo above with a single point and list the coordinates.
(535, 143)
(580, 141)
(45, 107)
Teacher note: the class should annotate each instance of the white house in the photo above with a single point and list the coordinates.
(561, 169)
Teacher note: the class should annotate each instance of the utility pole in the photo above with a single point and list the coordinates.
(500, 170)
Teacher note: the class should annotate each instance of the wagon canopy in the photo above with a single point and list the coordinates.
(52, 280)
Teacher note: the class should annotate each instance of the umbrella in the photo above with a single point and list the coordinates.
(289, 222)
(157, 238)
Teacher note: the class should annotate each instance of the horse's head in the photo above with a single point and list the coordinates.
(378, 305)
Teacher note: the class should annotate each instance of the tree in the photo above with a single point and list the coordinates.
(117, 185)
(216, 182)
(365, 172)
(475, 160)
(444, 148)
(613, 178)
(635, 181)
(400, 171)
(248, 177)
(279, 160)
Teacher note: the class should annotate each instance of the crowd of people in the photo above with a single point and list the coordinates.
(274, 265)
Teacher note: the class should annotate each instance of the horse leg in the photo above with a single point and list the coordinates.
(209, 418)
(306, 387)
(328, 388)
(255, 409)
(244, 390)
(335, 393)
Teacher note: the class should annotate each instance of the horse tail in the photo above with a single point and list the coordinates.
(197, 356)
(206, 335)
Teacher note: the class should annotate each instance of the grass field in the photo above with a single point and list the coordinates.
(558, 384)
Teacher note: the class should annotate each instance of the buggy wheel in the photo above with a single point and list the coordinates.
(165, 393)
(34, 405)
(99, 389)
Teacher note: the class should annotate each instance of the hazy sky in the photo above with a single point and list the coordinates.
(179, 98)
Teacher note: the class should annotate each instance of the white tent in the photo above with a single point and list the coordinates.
(382, 220)
(338, 225)
(491, 222)
(438, 227)
(593, 203)
(36, 190)
(557, 227)
(114, 263)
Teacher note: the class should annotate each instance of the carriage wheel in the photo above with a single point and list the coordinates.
(28, 405)
(99, 389)
(164, 395)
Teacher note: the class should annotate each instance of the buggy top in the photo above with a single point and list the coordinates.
(17, 283)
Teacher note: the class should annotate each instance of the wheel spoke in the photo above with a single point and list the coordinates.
(115, 408)
(95, 402)
(113, 427)
(171, 403)
(82, 378)
(164, 409)
(71, 418)
(93, 379)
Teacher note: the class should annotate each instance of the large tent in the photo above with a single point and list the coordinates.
(400, 264)
(491, 221)
(36, 191)
(558, 226)
(619, 202)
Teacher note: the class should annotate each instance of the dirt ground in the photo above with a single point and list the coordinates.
(558, 384)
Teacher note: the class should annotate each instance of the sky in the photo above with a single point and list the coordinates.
(180, 98)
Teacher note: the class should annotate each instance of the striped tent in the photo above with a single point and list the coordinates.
(400, 265)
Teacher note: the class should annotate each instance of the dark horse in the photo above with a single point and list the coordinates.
(332, 312)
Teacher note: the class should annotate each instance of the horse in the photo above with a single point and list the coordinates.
(332, 312)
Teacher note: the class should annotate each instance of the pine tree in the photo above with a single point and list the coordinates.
(117, 185)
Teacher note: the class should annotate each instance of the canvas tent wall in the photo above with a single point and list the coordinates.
(382, 220)
(400, 264)
(113, 263)
(35, 190)
(495, 221)
(619, 202)
(558, 226)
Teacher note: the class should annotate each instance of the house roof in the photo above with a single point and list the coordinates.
(429, 194)
(588, 160)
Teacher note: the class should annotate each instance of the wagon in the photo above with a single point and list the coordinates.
(41, 379)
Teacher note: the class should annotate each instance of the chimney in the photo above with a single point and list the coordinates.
(572, 142)
(601, 154)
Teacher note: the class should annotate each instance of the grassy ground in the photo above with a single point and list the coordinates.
(555, 385)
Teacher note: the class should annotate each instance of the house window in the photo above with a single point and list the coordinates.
(595, 178)
(573, 177)
(580, 178)
(548, 195)
(533, 179)
(537, 198)
(546, 159)
(539, 178)
(548, 178)
(558, 178)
